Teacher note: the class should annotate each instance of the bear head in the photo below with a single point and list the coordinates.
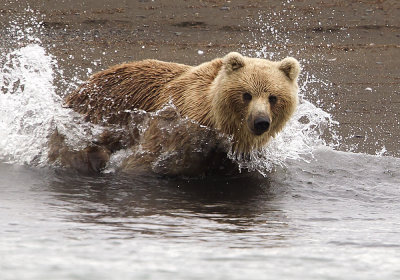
(254, 98)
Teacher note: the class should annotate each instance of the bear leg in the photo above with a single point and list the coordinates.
(91, 159)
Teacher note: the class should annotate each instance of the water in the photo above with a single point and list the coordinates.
(306, 211)
(330, 218)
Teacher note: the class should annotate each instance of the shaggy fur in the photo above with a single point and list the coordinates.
(227, 95)
(211, 94)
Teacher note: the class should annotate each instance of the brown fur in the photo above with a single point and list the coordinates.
(210, 94)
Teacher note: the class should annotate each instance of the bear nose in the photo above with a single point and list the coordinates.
(261, 124)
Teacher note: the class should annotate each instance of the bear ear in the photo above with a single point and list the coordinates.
(233, 61)
(291, 67)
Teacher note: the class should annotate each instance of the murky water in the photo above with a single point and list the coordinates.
(306, 211)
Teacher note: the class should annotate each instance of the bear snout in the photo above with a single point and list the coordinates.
(260, 125)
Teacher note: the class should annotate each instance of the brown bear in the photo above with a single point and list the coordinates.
(246, 99)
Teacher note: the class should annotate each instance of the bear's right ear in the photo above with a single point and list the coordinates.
(233, 61)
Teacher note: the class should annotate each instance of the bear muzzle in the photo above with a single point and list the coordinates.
(259, 124)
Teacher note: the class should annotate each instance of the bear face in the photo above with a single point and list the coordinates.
(254, 98)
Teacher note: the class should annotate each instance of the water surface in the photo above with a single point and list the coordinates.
(329, 219)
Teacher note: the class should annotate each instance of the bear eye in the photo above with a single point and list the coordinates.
(272, 99)
(247, 96)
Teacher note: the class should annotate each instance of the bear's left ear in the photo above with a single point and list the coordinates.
(233, 61)
(291, 67)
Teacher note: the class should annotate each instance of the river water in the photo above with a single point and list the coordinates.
(335, 217)
(307, 211)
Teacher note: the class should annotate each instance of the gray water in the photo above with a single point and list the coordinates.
(330, 218)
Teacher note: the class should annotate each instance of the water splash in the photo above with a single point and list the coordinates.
(31, 110)
(26, 120)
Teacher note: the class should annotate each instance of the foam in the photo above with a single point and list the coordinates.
(30, 109)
